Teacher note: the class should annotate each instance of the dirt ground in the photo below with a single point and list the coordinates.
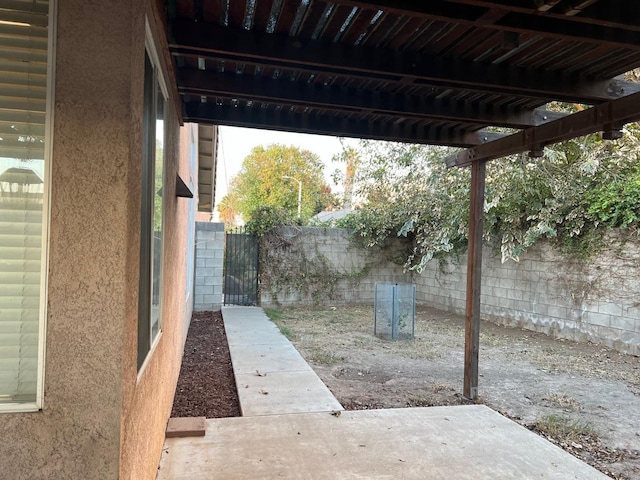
(206, 386)
(583, 397)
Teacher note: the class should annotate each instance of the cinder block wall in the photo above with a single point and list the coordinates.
(550, 292)
(209, 266)
(308, 266)
(546, 291)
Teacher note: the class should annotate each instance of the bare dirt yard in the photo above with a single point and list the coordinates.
(583, 397)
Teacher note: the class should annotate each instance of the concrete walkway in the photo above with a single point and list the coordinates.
(293, 428)
(271, 376)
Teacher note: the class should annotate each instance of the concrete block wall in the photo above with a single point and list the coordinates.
(209, 266)
(312, 256)
(545, 291)
(550, 292)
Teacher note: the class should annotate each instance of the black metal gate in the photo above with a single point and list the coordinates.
(241, 268)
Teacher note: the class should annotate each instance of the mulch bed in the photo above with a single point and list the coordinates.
(206, 386)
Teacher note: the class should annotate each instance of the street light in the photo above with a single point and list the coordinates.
(299, 193)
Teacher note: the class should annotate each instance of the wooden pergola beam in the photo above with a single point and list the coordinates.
(322, 124)
(607, 26)
(607, 117)
(348, 99)
(283, 52)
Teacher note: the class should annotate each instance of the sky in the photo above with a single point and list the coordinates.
(236, 143)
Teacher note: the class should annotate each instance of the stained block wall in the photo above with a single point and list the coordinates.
(209, 266)
(546, 291)
(550, 292)
(307, 266)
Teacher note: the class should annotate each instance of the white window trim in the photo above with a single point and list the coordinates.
(46, 221)
(152, 51)
(193, 144)
(49, 119)
(150, 45)
(150, 353)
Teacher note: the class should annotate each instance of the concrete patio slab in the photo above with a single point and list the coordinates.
(284, 392)
(463, 442)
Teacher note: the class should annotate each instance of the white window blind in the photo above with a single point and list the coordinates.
(23, 103)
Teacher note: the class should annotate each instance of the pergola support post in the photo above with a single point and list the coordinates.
(474, 273)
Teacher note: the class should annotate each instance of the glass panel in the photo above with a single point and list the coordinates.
(146, 215)
(23, 66)
(191, 238)
(157, 217)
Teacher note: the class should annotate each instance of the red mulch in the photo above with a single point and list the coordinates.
(206, 387)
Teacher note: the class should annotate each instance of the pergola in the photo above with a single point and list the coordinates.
(433, 72)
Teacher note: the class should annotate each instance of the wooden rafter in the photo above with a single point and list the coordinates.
(286, 120)
(607, 25)
(351, 99)
(277, 51)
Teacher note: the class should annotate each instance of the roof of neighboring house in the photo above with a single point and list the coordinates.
(328, 216)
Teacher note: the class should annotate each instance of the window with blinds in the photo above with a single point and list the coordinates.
(23, 190)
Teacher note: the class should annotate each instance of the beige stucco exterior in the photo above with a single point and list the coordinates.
(100, 418)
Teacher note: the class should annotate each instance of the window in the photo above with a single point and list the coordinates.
(152, 209)
(190, 252)
(24, 156)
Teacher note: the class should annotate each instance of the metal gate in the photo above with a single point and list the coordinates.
(240, 268)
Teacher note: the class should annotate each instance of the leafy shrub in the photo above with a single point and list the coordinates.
(570, 196)
(616, 204)
(266, 219)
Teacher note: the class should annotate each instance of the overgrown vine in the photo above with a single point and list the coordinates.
(287, 266)
(571, 197)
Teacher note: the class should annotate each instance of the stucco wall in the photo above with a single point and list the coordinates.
(77, 434)
(148, 396)
(99, 420)
(550, 292)
(307, 265)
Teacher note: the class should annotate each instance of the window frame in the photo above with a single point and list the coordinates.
(38, 403)
(154, 92)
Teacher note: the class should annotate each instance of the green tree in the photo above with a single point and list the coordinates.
(409, 192)
(261, 182)
(228, 210)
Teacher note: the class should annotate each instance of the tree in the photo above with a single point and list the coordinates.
(261, 182)
(228, 210)
(350, 157)
(408, 191)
